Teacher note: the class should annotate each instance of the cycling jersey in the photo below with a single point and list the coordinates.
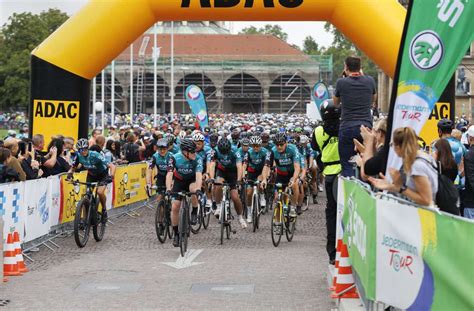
(226, 161)
(241, 153)
(255, 160)
(95, 163)
(160, 162)
(457, 148)
(184, 169)
(203, 153)
(175, 149)
(285, 160)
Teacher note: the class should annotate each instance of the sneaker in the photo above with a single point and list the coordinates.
(194, 219)
(298, 210)
(217, 211)
(320, 188)
(332, 261)
(242, 222)
(104, 218)
(293, 212)
(176, 240)
(208, 205)
(249, 219)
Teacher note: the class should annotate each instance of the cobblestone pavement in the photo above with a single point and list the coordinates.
(126, 270)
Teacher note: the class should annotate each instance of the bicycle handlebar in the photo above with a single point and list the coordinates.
(89, 184)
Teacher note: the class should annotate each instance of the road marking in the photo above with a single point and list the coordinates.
(186, 261)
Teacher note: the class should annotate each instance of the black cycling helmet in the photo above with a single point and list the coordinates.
(188, 145)
(265, 137)
(445, 125)
(162, 143)
(214, 138)
(245, 142)
(280, 138)
(224, 146)
(329, 111)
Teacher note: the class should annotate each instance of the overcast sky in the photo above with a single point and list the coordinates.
(297, 31)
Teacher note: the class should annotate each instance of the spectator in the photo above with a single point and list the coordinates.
(109, 151)
(443, 155)
(356, 94)
(30, 166)
(113, 135)
(56, 163)
(373, 158)
(421, 182)
(99, 144)
(96, 132)
(132, 149)
(445, 129)
(469, 174)
(12, 144)
(7, 174)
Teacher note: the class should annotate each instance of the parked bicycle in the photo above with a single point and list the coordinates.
(87, 214)
(281, 220)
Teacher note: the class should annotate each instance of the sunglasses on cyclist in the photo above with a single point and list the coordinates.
(83, 149)
(280, 145)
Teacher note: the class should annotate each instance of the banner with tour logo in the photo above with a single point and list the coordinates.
(436, 36)
(358, 223)
(320, 93)
(197, 102)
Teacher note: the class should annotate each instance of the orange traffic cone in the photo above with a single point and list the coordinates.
(336, 264)
(345, 285)
(19, 255)
(10, 266)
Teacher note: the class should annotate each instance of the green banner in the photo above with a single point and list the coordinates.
(359, 219)
(436, 37)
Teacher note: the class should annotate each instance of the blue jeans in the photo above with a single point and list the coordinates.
(346, 148)
(469, 212)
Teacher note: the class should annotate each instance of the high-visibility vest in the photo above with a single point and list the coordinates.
(329, 146)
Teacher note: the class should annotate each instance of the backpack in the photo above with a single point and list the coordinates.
(447, 195)
(131, 153)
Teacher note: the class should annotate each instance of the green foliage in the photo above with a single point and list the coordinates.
(341, 48)
(268, 29)
(18, 37)
(310, 46)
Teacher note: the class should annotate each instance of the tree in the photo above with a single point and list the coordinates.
(268, 29)
(18, 37)
(341, 48)
(310, 46)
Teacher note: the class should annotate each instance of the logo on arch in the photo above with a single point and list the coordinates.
(320, 92)
(426, 50)
(194, 93)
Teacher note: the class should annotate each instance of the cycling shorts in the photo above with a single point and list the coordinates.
(161, 181)
(283, 179)
(229, 177)
(253, 176)
(181, 185)
(97, 178)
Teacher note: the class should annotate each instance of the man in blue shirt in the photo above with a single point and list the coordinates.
(184, 174)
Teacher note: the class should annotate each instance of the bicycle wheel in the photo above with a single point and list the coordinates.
(255, 211)
(223, 220)
(195, 228)
(205, 213)
(168, 219)
(183, 228)
(290, 226)
(277, 225)
(161, 225)
(82, 223)
(99, 229)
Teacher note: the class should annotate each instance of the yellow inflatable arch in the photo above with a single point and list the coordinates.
(64, 64)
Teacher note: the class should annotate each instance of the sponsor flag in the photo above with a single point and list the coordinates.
(435, 38)
(197, 103)
(320, 93)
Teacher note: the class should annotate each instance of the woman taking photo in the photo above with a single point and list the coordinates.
(420, 183)
(443, 155)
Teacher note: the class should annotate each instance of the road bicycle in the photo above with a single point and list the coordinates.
(225, 216)
(281, 220)
(184, 225)
(163, 226)
(255, 207)
(87, 214)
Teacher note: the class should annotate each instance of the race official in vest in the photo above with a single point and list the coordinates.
(325, 140)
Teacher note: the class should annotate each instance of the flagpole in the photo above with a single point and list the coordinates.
(103, 100)
(94, 99)
(155, 89)
(112, 96)
(131, 83)
(172, 70)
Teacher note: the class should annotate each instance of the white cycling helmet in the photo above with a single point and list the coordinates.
(304, 139)
(255, 140)
(198, 137)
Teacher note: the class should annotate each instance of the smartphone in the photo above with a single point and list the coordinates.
(64, 152)
(30, 147)
(22, 147)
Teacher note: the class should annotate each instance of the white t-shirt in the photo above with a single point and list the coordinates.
(422, 168)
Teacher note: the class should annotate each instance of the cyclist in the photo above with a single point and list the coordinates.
(97, 169)
(160, 160)
(172, 147)
(302, 146)
(235, 135)
(287, 162)
(253, 164)
(213, 139)
(203, 151)
(445, 127)
(244, 147)
(226, 164)
(266, 143)
(184, 174)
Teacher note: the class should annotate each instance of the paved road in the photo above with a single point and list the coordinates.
(126, 271)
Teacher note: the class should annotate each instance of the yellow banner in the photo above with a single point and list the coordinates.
(429, 133)
(129, 184)
(70, 195)
(54, 117)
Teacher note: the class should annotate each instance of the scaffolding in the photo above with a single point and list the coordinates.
(273, 84)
